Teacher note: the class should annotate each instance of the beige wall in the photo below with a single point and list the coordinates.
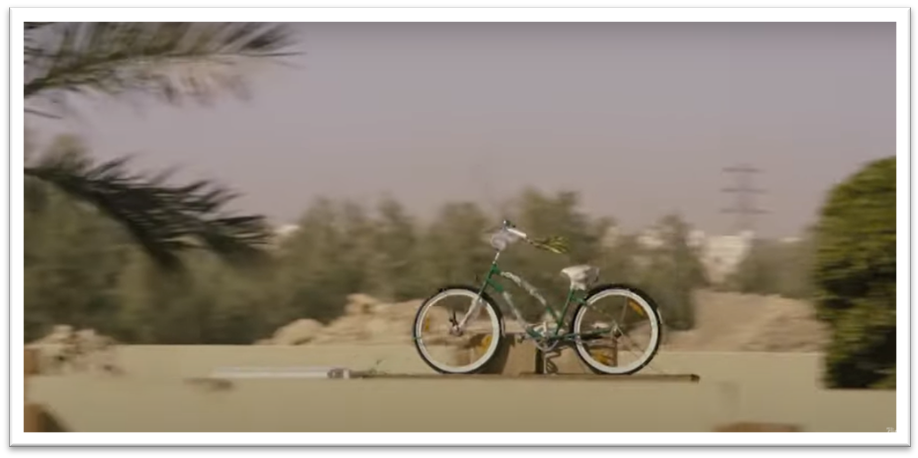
(155, 396)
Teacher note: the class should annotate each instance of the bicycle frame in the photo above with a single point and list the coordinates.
(489, 281)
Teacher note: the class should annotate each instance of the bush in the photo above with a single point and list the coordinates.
(855, 277)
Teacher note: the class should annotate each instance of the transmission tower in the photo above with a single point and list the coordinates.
(744, 206)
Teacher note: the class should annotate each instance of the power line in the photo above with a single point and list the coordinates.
(744, 206)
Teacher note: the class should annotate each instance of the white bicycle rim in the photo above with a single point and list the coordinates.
(654, 333)
(495, 329)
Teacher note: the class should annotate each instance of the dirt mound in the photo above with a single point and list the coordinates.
(790, 329)
(297, 333)
(365, 319)
(746, 322)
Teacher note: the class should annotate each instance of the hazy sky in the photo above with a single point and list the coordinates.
(640, 118)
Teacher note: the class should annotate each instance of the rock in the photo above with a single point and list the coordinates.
(359, 304)
(345, 329)
(298, 332)
(60, 334)
(76, 350)
(381, 309)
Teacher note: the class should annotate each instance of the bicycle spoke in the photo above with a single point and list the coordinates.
(452, 335)
(624, 333)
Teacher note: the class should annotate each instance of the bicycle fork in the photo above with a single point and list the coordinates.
(459, 326)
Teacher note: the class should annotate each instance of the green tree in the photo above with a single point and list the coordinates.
(775, 267)
(673, 272)
(358, 234)
(72, 258)
(395, 267)
(83, 269)
(759, 269)
(855, 277)
(311, 275)
(795, 276)
(173, 62)
(455, 248)
(619, 260)
(209, 303)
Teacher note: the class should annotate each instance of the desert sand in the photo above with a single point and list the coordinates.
(160, 388)
(155, 394)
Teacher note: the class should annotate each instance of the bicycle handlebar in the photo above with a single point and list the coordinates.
(509, 227)
(553, 244)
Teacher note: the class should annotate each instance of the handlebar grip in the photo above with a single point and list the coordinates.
(517, 233)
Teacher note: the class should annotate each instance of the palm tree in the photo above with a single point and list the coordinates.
(171, 62)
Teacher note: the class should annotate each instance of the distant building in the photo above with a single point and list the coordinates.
(612, 236)
(650, 238)
(282, 233)
(697, 238)
(285, 230)
(721, 255)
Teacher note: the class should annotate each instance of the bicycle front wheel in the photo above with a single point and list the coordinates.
(619, 330)
(458, 332)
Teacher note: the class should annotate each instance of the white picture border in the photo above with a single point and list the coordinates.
(900, 16)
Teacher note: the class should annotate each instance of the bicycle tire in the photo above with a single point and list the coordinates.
(654, 316)
(488, 302)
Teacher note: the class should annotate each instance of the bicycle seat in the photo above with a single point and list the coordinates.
(581, 276)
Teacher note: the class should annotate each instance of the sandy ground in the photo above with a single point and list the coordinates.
(154, 395)
(746, 322)
(757, 358)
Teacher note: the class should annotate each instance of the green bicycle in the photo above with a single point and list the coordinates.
(596, 334)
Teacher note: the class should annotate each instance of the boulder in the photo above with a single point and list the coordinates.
(360, 304)
(298, 332)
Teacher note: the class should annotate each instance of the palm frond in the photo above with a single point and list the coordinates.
(173, 61)
(30, 26)
(164, 220)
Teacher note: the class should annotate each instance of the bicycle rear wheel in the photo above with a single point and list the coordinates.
(448, 349)
(619, 328)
